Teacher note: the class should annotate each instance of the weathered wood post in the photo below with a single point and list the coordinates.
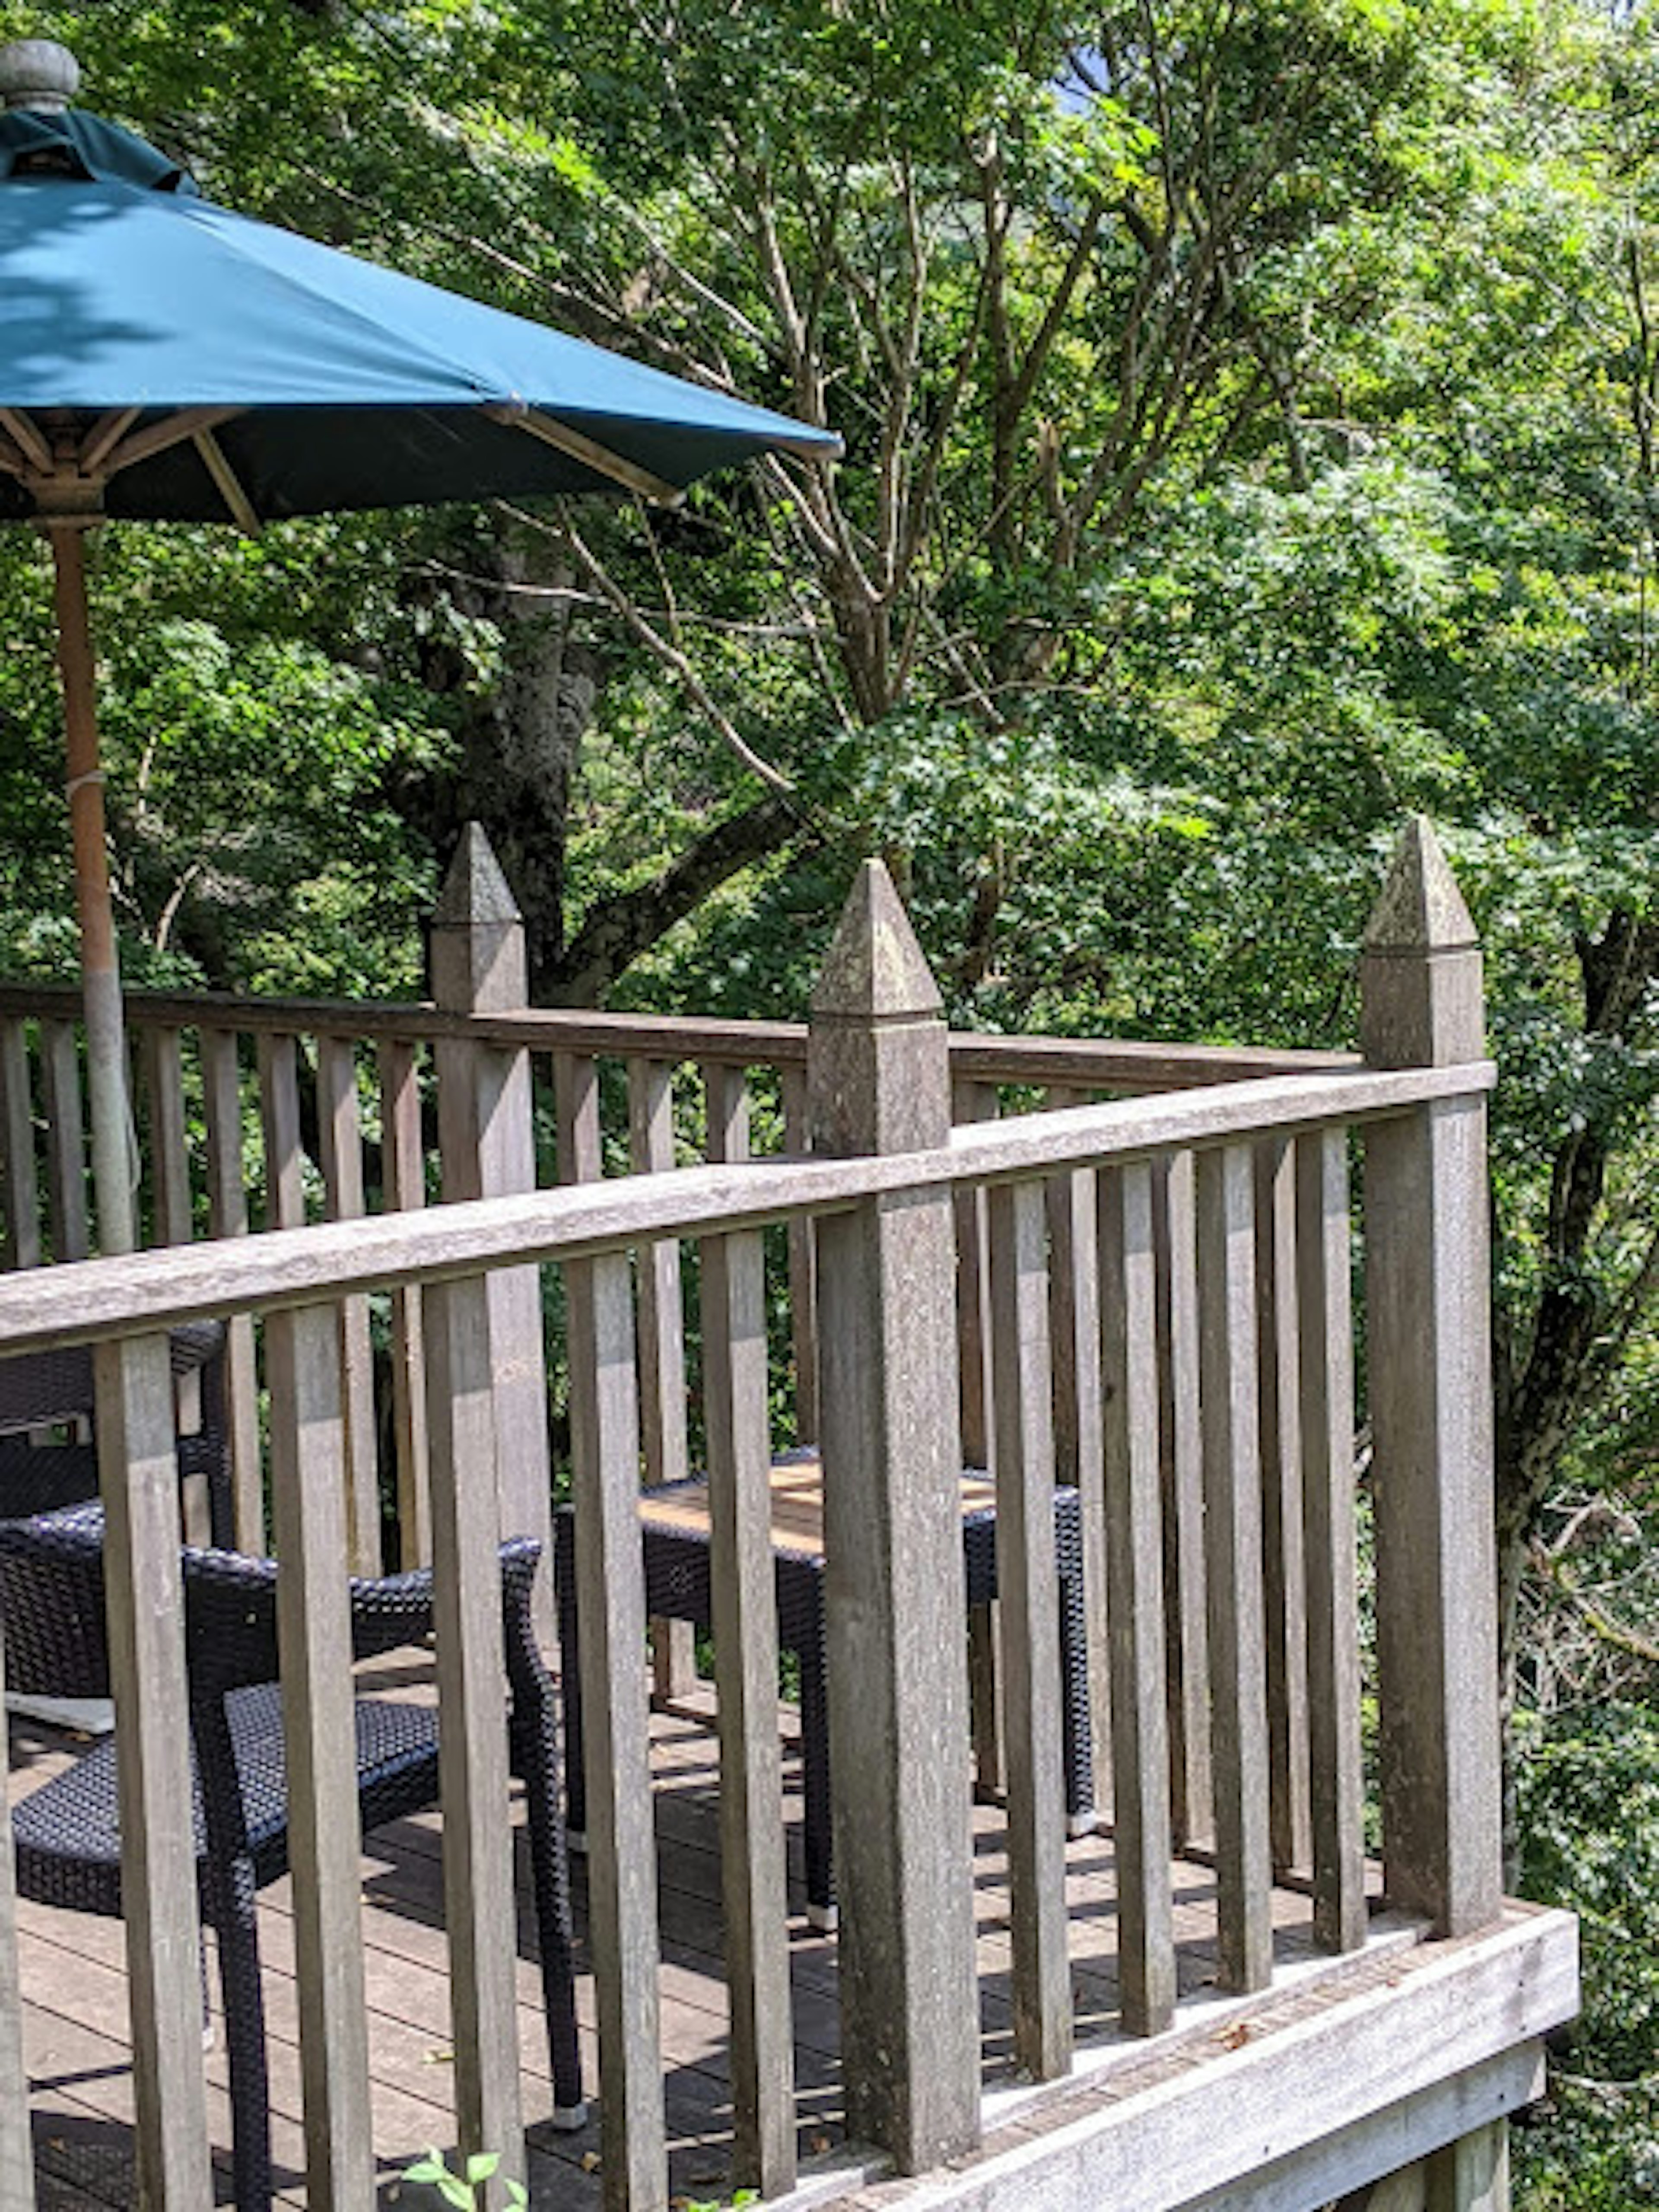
(879, 1075)
(17, 2135)
(1429, 1332)
(486, 1137)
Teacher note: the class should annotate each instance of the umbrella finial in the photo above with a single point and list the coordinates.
(38, 73)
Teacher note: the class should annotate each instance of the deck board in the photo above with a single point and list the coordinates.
(75, 2018)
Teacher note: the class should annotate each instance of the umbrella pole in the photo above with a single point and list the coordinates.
(113, 1146)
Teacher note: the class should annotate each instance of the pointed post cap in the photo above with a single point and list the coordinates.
(1421, 908)
(874, 966)
(1421, 997)
(476, 894)
(879, 1055)
(38, 73)
(478, 960)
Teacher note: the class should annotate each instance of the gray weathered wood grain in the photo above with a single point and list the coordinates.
(1325, 1344)
(1180, 1459)
(66, 1140)
(1024, 1458)
(20, 1188)
(478, 1902)
(341, 1144)
(16, 2135)
(228, 1216)
(1428, 1293)
(138, 1479)
(894, 1587)
(404, 1182)
(56, 1306)
(314, 1621)
(1232, 1538)
(604, 1425)
(1278, 1397)
(1134, 1601)
(744, 1607)
(486, 1136)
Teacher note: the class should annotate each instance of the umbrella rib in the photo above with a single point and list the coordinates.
(105, 435)
(228, 482)
(11, 460)
(171, 430)
(588, 451)
(29, 440)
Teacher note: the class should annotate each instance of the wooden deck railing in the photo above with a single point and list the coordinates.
(1206, 1340)
(265, 1113)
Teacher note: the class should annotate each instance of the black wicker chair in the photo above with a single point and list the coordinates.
(54, 1390)
(67, 1833)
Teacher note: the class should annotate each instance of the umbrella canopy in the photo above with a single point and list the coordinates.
(162, 358)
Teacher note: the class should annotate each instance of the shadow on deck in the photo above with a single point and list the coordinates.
(76, 1999)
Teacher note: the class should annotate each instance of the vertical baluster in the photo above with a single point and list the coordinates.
(341, 1142)
(973, 1102)
(478, 1905)
(1074, 1307)
(1134, 1601)
(727, 1120)
(1022, 1397)
(576, 1104)
(1325, 1342)
(662, 1344)
(313, 1623)
(169, 1152)
(16, 2144)
(802, 1276)
(1181, 1457)
(66, 1141)
(978, 1102)
(21, 1186)
(138, 1474)
(662, 1339)
(228, 1216)
(745, 1606)
(279, 1111)
(1280, 1397)
(403, 1171)
(162, 1062)
(605, 1428)
(1232, 1531)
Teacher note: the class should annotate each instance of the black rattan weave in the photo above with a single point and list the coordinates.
(54, 1390)
(676, 1587)
(67, 1833)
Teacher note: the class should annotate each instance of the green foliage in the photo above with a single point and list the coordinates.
(1251, 438)
(1589, 1802)
(463, 2190)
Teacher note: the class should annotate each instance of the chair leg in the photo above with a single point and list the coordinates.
(1074, 1706)
(815, 1785)
(536, 1757)
(570, 1681)
(230, 1903)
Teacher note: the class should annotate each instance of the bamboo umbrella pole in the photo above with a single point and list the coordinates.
(106, 1054)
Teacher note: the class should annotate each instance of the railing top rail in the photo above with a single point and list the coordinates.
(1124, 1064)
(76, 1303)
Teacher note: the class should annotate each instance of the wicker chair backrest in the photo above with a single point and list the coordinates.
(52, 1610)
(51, 1606)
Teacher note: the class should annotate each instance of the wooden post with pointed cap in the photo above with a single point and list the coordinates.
(879, 1081)
(486, 1137)
(1429, 1344)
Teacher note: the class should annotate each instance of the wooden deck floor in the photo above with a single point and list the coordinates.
(75, 1992)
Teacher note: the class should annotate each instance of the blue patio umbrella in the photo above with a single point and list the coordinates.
(163, 358)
